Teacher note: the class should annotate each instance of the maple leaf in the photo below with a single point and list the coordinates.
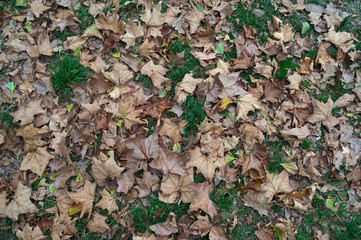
(36, 161)
(342, 40)
(85, 197)
(258, 201)
(218, 233)
(185, 87)
(97, 224)
(202, 200)
(26, 114)
(175, 186)
(147, 184)
(294, 80)
(169, 162)
(231, 86)
(276, 183)
(63, 174)
(111, 23)
(155, 109)
(245, 103)
(166, 228)
(146, 48)
(119, 75)
(321, 111)
(144, 148)
(300, 133)
(125, 182)
(129, 115)
(133, 31)
(30, 233)
(172, 130)
(306, 66)
(20, 204)
(201, 226)
(32, 136)
(105, 169)
(194, 19)
(156, 73)
(107, 202)
(204, 164)
(37, 8)
(152, 16)
(285, 35)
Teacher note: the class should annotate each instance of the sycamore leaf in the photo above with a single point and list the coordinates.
(166, 228)
(203, 163)
(36, 161)
(175, 186)
(276, 183)
(85, 197)
(202, 200)
(185, 88)
(194, 19)
(30, 233)
(97, 224)
(26, 114)
(172, 130)
(119, 75)
(156, 73)
(285, 35)
(321, 111)
(258, 201)
(107, 202)
(134, 31)
(105, 169)
(20, 204)
(144, 148)
(342, 40)
(32, 136)
(128, 113)
(152, 16)
(38, 8)
(245, 103)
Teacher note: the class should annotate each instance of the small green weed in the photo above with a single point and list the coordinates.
(67, 70)
(194, 114)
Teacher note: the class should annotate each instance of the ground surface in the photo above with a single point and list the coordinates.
(180, 119)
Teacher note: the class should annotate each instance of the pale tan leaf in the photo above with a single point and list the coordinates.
(107, 202)
(85, 197)
(30, 233)
(276, 183)
(36, 161)
(26, 114)
(202, 200)
(97, 224)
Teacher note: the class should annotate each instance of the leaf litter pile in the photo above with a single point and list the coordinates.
(180, 119)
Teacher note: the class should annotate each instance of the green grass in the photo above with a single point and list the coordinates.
(306, 144)
(147, 81)
(334, 91)
(247, 16)
(194, 114)
(283, 67)
(128, 9)
(177, 73)
(198, 177)
(62, 35)
(86, 20)
(275, 148)
(156, 212)
(67, 70)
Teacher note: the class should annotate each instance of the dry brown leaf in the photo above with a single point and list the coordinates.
(147, 184)
(156, 73)
(32, 136)
(166, 228)
(134, 31)
(97, 224)
(174, 186)
(245, 103)
(129, 115)
(172, 130)
(295, 79)
(202, 200)
(107, 202)
(85, 197)
(152, 16)
(185, 88)
(119, 75)
(204, 164)
(342, 40)
(285, 228)
(146, 49)
(286, 34)
(30, 233)
(26, 114)
(321, 111)
(300, 133)
(276, 183)
(218, 233)
(194, 19)
(258, 201)
(105, 169)
(125, 182)
(231, 85)
(36, 161)
(144, 148)
(201, 226)
(20, 204)
(38, 8)
(306, 66)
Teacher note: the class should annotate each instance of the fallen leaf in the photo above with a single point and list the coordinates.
(107, 202)
(245, 103)
(156, 73)
(144, 148)
(133, 31)
(321, 111)
(152, 16)
(204, 164)
(258, 201)
(32, 136)
(202, 200)
(276, 183)
(194, 19)
(105, 169)
(26, 114)
(97, 224)
(36, 161)
(286, 34)
(185, 88)
(30, 233)
(119, 75)
(85, 197)
(166, 228)
(20, 204)
(38, 8)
